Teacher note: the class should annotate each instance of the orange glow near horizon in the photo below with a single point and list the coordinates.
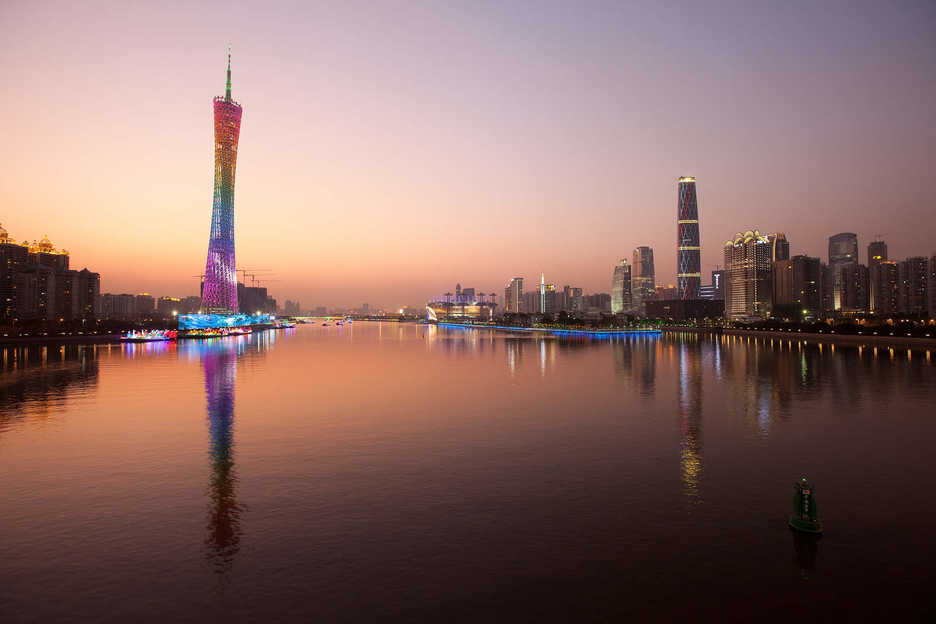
(388, 153)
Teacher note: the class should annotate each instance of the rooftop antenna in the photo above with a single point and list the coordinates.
(227, 90)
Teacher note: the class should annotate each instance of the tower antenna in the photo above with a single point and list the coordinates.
(227, 90)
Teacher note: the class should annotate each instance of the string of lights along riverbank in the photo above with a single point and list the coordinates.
(219, 292)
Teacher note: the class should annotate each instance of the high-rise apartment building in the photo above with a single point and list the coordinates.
(877, 253)
(621, 288)
(513, 296)
(843, 251)
(35, 293)
(807, 285)
(747, 276)
(144, 305)
(643, 281)
(688, 248)
(913, 296)
(931, 286)
(853, 289)
(13, 257)
(796, 285)
(219, 294)
(89, 284)
(572, 299)
(887, 293)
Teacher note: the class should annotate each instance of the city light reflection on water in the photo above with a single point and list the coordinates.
(351, 471)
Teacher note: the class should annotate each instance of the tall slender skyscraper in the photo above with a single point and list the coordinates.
(643, 280)
(621, 288)
(877, 253)
(688, 250)
(219, 294)
(843, 252)
(513, 295)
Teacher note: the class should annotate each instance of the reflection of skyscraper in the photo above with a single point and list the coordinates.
(643, 281)
(690, 418)
(219, 294)
(635, 359)
(621, 288)
(224, 529)
(688, 249)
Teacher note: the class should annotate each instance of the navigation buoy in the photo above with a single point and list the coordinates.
(805, 516)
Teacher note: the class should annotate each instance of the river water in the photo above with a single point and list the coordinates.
(383, 471)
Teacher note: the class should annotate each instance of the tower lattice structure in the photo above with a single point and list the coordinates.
(219, 294)
(688, 249)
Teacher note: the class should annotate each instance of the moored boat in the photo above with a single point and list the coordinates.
(149, 335)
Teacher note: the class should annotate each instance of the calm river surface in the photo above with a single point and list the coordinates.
(379, 472)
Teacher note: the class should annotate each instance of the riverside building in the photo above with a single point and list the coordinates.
(747, 276)
(688, 249)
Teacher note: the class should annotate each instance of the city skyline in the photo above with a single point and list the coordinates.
(325, 200)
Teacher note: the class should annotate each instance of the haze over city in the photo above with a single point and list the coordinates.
(389, 150)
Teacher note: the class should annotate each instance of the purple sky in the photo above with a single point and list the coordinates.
(389, 150)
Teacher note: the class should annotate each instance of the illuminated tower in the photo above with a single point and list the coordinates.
(219, 294)
(688, 261)
(643, 280)
(621, 288)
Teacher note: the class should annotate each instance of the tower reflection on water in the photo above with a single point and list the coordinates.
(219, 358)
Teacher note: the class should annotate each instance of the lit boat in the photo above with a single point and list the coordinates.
(217, 332)
(149, 335)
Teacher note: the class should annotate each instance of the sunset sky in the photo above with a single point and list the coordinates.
(391, 149)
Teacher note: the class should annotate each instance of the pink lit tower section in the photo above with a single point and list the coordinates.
(219, 294)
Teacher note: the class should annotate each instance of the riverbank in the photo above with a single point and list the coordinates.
(14, 341)
(558, 331)
(903, 342)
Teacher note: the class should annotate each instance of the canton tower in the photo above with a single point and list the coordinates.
(688, 260)
(219, 293)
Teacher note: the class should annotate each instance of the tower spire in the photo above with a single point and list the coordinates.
(227, 90)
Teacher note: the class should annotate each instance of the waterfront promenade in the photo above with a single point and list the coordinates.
(904, 342)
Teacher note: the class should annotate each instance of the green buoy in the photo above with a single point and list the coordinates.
(805, 516)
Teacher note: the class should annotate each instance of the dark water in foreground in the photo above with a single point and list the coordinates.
(390, 472)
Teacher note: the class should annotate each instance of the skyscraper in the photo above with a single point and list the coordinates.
(877, 253)
(807, 279)
(688, 262)
(747, 276)
(621, 288)
(843, 252)
(888, 289)
(513, 296)
(931, 286)
(913, 294)
(220, 291)
(779, 247)
(643, 281)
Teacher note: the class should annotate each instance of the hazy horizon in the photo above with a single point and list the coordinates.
(390, 150)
